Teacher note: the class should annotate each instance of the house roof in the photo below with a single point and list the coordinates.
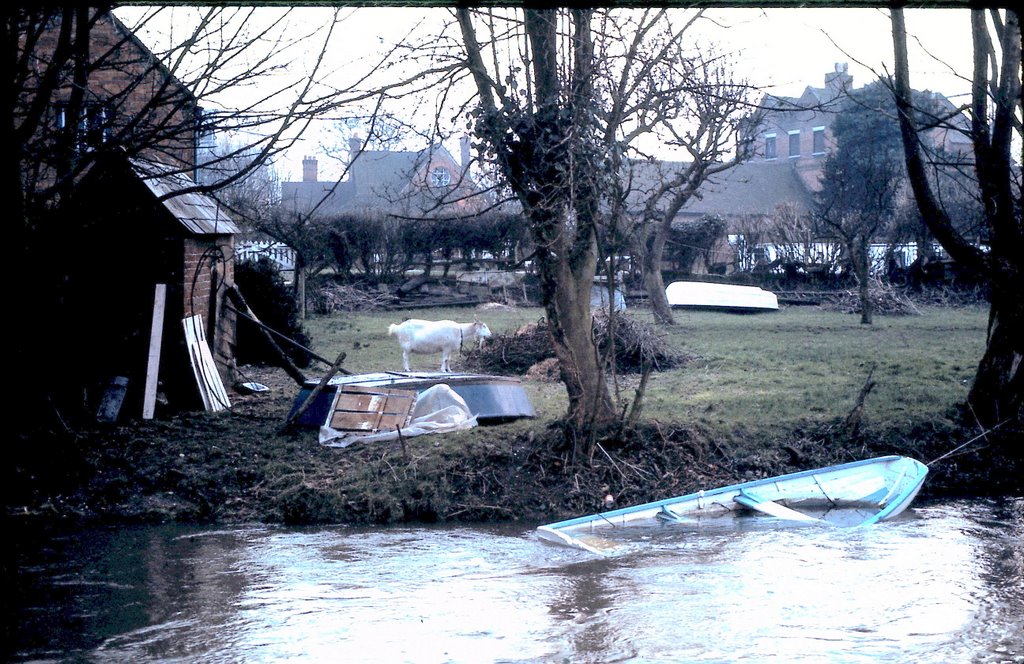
(395, 182)
(753, 187)
(335, 196)
(197, 212)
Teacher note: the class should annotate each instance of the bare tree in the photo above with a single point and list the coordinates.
(701, 114)
(995, 124)
(861, 183)
(536, 115)
(252, 200)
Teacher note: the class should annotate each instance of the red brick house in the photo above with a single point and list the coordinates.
(404, 184)
(112, 159)
(788, 148)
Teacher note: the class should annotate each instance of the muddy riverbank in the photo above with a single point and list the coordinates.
(239, 467)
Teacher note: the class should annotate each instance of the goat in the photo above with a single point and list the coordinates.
(441, 336)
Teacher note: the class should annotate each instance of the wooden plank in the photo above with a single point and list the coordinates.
(156, 333)
(771, 508)
(370, 409)
(211, 388)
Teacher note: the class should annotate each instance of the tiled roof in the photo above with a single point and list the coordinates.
(197, 212)
(753, 187)
(395, 182)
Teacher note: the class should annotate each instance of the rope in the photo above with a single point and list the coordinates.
(960, 447)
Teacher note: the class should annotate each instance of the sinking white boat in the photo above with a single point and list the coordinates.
(729, 297)
(865, 492)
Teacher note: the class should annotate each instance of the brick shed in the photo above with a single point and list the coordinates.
(133, 229)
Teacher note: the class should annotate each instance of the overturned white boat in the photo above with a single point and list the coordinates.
(851, 494)
(725, 297)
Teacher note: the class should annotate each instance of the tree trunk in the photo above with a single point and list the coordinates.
(579, 364)
(997, 393)
(865, 303)
(860, 259)
(998, 389)
(565, 291)
(654, 285)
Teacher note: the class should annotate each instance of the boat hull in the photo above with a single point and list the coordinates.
(721, 297)
(880, 488)
(492, 399)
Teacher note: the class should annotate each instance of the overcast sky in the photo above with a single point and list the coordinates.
(784, 50)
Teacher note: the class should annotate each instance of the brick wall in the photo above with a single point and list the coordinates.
(203, 270)
(144, 108)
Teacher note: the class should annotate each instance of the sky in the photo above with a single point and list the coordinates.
(784, 50)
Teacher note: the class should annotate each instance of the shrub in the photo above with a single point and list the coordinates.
(637, 345)
(273, 303)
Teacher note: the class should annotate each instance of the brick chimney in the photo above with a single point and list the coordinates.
(309, 168)
(355, 144)
(839, 81)
(464, 148)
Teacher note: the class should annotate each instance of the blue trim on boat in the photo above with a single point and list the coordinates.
(888, 509)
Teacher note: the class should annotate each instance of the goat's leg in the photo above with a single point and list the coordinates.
(445, 355)
(405, 359)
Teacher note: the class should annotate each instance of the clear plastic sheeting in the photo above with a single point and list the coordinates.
(438, 409)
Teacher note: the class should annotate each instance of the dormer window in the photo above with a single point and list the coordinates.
(439, 177)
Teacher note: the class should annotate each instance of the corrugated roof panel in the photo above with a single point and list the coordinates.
(197, 212)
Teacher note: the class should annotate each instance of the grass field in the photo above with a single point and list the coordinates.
(755, 373)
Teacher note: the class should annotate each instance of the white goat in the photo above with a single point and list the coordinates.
(440, 336)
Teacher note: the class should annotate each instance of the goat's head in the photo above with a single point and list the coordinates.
(480, 330)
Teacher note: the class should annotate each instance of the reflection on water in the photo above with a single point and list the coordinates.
(945, 583)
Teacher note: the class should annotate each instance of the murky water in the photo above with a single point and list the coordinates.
(944, 583)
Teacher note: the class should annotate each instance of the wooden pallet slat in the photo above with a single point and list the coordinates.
(370, 409)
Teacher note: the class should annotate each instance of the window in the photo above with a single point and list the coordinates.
(94, 124)
(769, 146)
(440, 177)
(818, 133)
(794, 143)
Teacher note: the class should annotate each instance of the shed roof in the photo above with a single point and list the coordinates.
(197, 212)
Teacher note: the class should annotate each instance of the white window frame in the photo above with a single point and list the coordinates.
(440, 177)
(791, 133)
(771, 137)
(815, 132)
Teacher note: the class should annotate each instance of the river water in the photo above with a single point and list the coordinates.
(942, 583)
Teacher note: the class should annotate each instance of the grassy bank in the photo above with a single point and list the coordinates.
(759, 395)
(765, 373)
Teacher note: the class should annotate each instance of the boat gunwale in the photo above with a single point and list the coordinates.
(904, 497)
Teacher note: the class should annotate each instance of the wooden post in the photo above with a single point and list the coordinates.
(277, 334)
(156, 333)
(286, 361)
(294, 417)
